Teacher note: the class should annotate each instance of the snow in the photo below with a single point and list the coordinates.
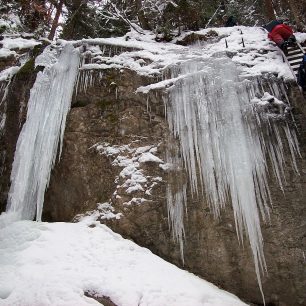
(165, 166)
(4, 53)
(132, 179)
(216, 117)
(300, 37)
(8, 73)
(258, 55)
(56, 263)
(19, 43)
(37, 145)
(149, 157)
(10, 21)
(48, 58)
(103, 211)
(270, 106)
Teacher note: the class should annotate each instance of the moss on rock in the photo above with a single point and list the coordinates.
(103, 104)
(27, 68)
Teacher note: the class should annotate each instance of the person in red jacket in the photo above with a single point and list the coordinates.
(280, 33)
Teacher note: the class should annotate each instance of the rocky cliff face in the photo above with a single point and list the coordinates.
(109, 127)
(13, 114)
(113, 169)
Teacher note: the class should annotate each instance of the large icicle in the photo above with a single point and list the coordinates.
(37, 145)
(223, 148)
(176, 197)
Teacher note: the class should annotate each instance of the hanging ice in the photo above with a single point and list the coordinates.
(223, 145)
(37, 145)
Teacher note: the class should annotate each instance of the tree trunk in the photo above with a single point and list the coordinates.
(141, 16)
(298, 9)
(269, 9)
(54, 26)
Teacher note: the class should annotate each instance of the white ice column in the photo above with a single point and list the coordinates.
(43, 131)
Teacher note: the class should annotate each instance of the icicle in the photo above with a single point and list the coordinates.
(176, 199)
(2, 122)
(4, 90)
(43, 131)
(223, 146)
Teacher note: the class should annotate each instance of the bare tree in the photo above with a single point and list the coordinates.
(269, 9)
(55, 22)
(298, 9)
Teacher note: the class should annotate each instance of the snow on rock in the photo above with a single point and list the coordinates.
(132, 179)
(48, 57)
(271, 106)
(248, 47)
(4, 53)
(251, 49)
(166, 166)
(8, 73)
(19, 43)
(149, 157)
(300, 37)
(103, 211)
(57, 263)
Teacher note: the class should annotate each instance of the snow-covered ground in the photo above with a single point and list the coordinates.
(56, 263)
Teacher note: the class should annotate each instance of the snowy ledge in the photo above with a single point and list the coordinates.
(144, 55)
(19, 43)
(8, 73)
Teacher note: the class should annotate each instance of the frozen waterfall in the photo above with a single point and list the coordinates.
(37, 145)
(221, 134)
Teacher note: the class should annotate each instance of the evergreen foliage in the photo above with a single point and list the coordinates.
(89, 19)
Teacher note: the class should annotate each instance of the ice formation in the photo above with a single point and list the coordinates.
(43, 131)
(223, 147)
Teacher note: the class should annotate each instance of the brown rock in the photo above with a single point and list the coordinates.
(195, 37)
(84, 178)
(109, 110)
(14, 108)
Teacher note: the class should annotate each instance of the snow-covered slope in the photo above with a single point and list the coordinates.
(54, 264)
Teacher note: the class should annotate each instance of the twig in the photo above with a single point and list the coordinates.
(209, 21)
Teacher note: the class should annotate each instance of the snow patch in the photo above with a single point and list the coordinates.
(103, 211)
(131, 179)
(19, 43)
(149, 157)
(65, 260)
(4, 53)
(8, 73)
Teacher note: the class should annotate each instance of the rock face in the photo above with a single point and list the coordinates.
(108, 113)
(194, 37)
(113, 165)
(13, 114)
